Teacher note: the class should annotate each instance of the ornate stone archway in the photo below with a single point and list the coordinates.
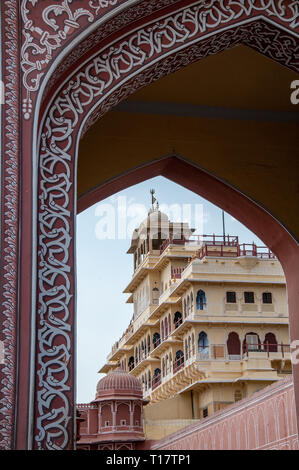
(109, 64)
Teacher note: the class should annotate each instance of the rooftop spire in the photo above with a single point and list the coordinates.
(153, 208)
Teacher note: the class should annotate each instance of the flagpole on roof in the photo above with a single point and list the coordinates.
(152, 191)
(223, 226)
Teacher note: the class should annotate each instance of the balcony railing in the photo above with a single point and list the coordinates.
(143, 355)
(253, 250)
(178, 364)
(232, 249)
(156, 381)
(213, 240)
(178, 323)
(220, 351)
(266, 348)
(176, 273)
(171, 241)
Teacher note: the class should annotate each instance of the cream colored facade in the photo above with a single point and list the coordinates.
(210, 323)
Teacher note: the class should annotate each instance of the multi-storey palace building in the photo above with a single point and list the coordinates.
(210, 322)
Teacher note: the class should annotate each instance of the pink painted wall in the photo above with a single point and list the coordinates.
(265, 420)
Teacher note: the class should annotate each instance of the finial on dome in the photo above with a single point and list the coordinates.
(153, 208)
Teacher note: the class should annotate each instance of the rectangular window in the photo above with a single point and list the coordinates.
(231, 297)
(267, 298)
(205, 412)
(249, 297)
(123, 422)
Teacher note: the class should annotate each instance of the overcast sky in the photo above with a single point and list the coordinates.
(104, 269)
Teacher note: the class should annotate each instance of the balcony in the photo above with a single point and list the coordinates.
(140, 362)
(161, 344)
(232, 249)
(271, 351)
(176, 273)
(167, 293)
(215, 352)
(171, 241)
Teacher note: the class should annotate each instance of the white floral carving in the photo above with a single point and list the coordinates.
(60, 21)
(9, 229)
(43, 38)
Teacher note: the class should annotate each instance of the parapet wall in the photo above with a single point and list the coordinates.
(265, 420)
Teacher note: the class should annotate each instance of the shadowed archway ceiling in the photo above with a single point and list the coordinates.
(230, 113)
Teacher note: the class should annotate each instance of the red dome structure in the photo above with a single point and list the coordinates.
(114, 420)
(118, 383)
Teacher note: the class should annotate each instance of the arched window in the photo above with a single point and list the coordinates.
(169, 323)
(179, 361)
(136, 355)
(149, 379)
(156, 340)
(162, 329)
(270, 343)
(167, 364)
(201, 301)
(131, 363)
(155, 296)
(189, 346)
(148, 344)
(156, 378)
(193, 348)
(203, 345)
(233, 346)
(184, 309)
(191, 298)
(166, 327)
(177, 319)
(186, 349)
(142, 350)
(163, 367)
(188, 306)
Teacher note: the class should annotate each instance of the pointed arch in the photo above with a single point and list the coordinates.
(84, 96)
(201, 300)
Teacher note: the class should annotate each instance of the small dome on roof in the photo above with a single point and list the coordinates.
(119, 382)
(155, 217)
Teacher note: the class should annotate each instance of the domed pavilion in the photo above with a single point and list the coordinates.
(114, 420)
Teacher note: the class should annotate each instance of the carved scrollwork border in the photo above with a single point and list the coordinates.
(122, 67)
(9, 220)
(58, 22)
(47, 27)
